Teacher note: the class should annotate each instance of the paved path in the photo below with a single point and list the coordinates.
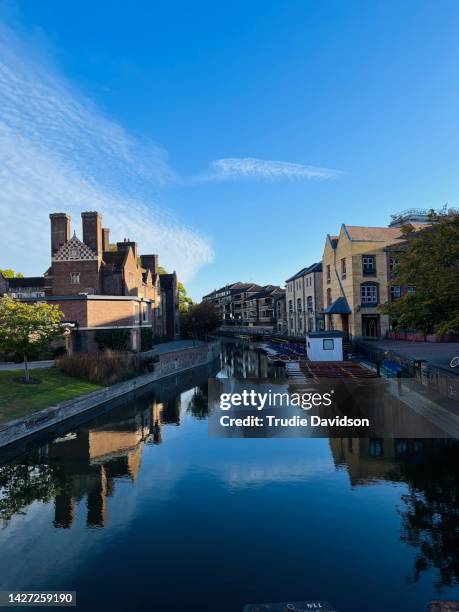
(438, 353)
(443, 418)
(177, 345)
(33, 365)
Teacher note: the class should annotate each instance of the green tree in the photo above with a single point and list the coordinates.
(185, 302)
(28, 329)
(430, 262)
(9, 273)
(200, 320)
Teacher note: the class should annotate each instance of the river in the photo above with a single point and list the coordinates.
(139, 509)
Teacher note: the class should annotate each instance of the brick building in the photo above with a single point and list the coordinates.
(101, 286)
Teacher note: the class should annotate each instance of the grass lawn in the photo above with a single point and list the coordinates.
(17, 399)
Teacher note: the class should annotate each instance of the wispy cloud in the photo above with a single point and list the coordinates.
(58, 152)
(232, 168)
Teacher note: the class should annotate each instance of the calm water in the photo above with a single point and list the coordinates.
(139, 509)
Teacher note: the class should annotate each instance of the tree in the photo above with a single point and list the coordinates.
(200, 320)
(429, 261)
(185, 302)
(28, 329)
(430, 521)
(9, 273)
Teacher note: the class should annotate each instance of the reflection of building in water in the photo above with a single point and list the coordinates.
(93, 458)
(85, 464)
(239, 360)
(370, 459)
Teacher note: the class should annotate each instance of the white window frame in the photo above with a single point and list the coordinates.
(369, 291)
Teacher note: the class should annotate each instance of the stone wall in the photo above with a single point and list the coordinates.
(168, 365)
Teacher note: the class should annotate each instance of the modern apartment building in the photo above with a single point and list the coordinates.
(265, 309)
(250, 305)
(304, 301)
(228, 300)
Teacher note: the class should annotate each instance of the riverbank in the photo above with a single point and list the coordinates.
(18, 400)
(169, 363)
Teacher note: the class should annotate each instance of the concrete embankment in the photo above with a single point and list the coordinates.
(170, 363)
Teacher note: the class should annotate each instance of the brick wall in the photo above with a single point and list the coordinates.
(89, 277)
(108, 313)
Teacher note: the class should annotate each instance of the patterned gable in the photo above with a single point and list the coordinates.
(75, 250)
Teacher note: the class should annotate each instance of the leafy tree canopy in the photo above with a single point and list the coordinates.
(9, 273)
(430, 262)
(200, 320)
(28, 329)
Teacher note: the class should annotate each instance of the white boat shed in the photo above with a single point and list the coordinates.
(325, 346)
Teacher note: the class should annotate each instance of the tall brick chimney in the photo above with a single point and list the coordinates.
(60, 230)
(150, 262)
(105, 239)
(92, 230)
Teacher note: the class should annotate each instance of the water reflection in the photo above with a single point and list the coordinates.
(87, 462)
(429, 510)
(268, 495)
(242, 360)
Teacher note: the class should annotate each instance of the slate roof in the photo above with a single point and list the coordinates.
(28, 281)
(315, 267)
(265, 292)
(339, 306)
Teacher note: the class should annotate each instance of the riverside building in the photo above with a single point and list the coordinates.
(102, 287)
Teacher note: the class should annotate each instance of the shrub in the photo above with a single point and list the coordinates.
(114, 339)
(104, 368)
(146, 338)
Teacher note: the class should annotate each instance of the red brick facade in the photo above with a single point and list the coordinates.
(101, 286)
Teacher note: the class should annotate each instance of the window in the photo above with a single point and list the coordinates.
(290, 306)
(74, 278)
(298, 305)
(343, 268)
(369, 294)
(395, 292)
(369, 264)
(329, 297)
(144, 312)
(309, 302)
(328, 273)
(411, 289)
(74, 253)
(376, 448)
(328, 344)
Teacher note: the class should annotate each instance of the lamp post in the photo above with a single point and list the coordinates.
(68, 327)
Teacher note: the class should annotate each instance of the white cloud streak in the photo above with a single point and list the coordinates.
(233, 168)
(59, 153)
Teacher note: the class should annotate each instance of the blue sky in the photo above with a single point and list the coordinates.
(228, 137)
